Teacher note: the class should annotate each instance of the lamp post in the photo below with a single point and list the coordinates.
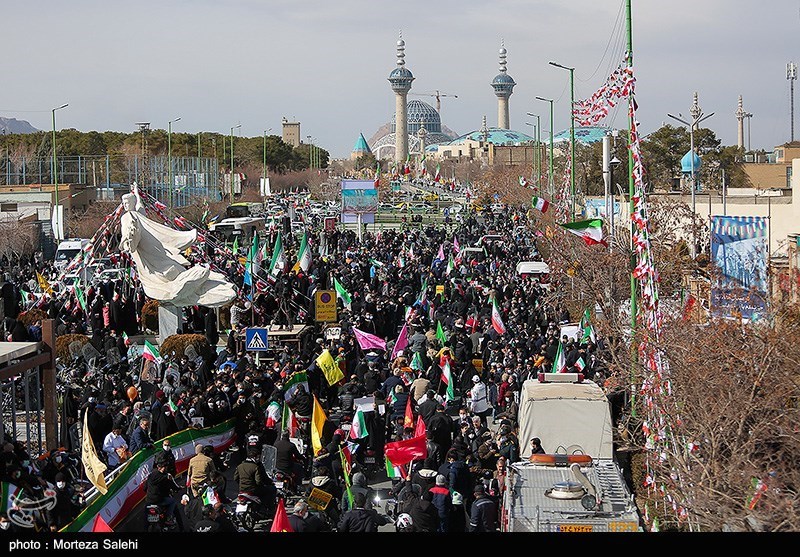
(55, 166)
(537, 134)
(169, 158)
(571, 130)
(550, 165)
(232, 128)
(612, 164)
(264, 172)
(199, 151)
(697, 117)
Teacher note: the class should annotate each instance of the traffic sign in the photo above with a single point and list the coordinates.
(256, 339)
(325, 305)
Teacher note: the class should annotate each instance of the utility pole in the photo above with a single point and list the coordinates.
(791, 75)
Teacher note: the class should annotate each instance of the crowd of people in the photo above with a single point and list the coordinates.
(417, 278)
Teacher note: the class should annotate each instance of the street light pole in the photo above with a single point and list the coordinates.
(550, 165)
(55, 165)
(697, 117)
(536, 137)
(571, 130)
(233, 128)
(169, 158)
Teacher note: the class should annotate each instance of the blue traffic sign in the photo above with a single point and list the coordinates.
(256, 339)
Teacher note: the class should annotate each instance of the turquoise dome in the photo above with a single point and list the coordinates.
(686, 163)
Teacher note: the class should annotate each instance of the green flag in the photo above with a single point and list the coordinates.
(342, 293)
(79, 295)
(278, 257)
(346, 478)
(440, 333)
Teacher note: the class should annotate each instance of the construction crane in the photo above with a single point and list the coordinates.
(437, 95)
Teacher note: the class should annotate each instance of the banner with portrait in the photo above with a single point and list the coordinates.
(739, 254)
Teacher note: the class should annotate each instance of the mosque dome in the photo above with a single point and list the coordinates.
(686, 163)
(420, 114)
(583, 134)
(496, 136)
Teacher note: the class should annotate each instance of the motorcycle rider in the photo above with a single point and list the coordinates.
(253, 480)
(322, 481)
(288, 459)
(159, 488)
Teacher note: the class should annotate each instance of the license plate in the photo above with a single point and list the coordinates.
(279, 485)
(369, 460)
(575, 528)
(241, 508)
(152, 518)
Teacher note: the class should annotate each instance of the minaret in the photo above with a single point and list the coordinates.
(401, 79)
(740, 113)
(503, 85)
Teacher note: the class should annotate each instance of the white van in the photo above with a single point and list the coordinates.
(535, 269)
(67, 250)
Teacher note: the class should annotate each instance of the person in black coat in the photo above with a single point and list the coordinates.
(211, 330)
(360, 519)
(303, 521)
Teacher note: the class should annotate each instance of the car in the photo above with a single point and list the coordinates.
(386, 208)
(430, 197)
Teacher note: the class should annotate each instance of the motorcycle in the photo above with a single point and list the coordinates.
(371, 463)
(249, 511)
(158, 521)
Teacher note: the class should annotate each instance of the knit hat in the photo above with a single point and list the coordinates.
(441, 480)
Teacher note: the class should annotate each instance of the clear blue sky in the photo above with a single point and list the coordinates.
(218, 63)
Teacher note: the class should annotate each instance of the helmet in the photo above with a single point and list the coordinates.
(404, 521)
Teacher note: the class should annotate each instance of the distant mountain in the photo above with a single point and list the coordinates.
(12, 125)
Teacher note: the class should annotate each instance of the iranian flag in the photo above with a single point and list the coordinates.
(560, 362)
(297, 380)
(303, 256)
(438, 175)
(447, 377)
(151, 352)
(540, 204)
(278, 262)
(590, 230)
(497, 320)
(378, 175)
(416, 362)
(393, 471)
(451, 265)
(342, 293)
(523, 182)
(586, 327)
(172, 405)
(580, 364)
(274, 411)
(358, 429)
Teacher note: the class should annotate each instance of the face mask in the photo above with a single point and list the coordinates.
(58, 460)
(5, 525)
(26, 462)
(60, 485)
(167, 447)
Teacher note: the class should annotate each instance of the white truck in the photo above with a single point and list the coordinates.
(577, 485)
(67, 250)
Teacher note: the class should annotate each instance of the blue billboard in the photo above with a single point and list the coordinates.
(739, 253)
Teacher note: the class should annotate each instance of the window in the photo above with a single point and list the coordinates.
(8, 207)
(789, 176)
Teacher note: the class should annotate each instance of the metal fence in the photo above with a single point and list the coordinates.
(192, 177)
(21, 400)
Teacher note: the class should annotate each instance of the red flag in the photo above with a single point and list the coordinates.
(100, 525)
(420, 427)
(281, 521)
(403, 452)
(408, 420)
(688, 306)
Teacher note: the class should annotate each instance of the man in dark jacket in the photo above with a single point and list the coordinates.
(442, 427)
(253, 479)
(303, 521)
(288, 459)
(424, 514)
(159, 488)
(140, 438)
(483, 516)
(457, 474)
(360, 519)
